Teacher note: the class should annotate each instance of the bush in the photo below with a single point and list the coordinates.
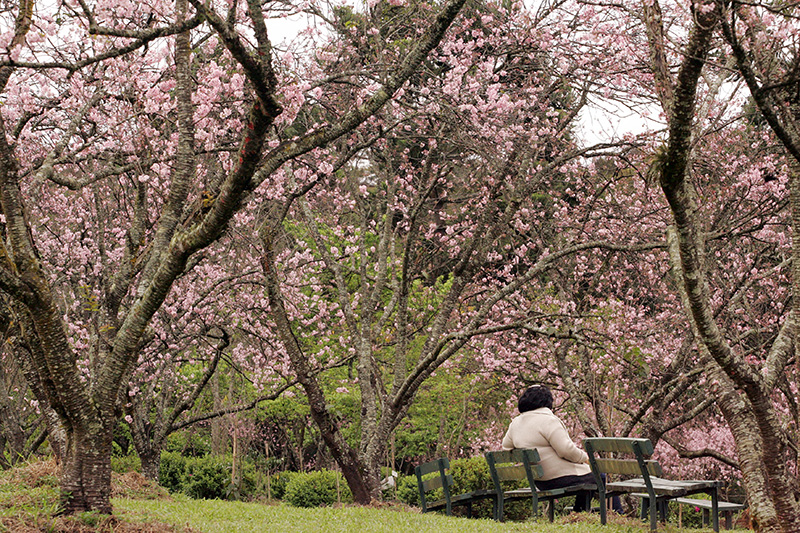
(315, 489)
(278, 483)
(207, 477)
(171, 470)
(407, 490)
(470, 474)
(126, 463)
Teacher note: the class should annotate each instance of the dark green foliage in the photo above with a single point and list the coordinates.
(170, 475)
(189, 443)
(470, 474)
(407, 490)
(126, 463)
(278, 483)
(122, 443)
(207, 477)
(315, 489)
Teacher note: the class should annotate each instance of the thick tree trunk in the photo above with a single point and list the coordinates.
(151, 463)
(750, 451)
(86, 471)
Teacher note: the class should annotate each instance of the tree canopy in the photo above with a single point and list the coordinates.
(396, 204)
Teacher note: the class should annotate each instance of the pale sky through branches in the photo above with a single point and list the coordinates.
(602, 122)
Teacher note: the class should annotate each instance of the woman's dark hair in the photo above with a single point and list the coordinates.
(534, 398)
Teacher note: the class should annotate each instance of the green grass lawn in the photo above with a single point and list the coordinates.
(29, 501)
(213, 516)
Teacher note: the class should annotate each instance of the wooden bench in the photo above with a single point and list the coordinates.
(617, 459)
(523, 464)
(444, 480)
(726, 508)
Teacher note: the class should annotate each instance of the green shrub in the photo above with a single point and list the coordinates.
(207, 478)
(407, 490)
(278, 483)
(126, 463)
(171, 471)
(470, 474)
(315, 489)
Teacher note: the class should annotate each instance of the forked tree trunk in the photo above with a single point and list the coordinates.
(86, 471)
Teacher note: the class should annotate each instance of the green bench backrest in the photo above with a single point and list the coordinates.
(443, 480)
(513, 465)
(619, 444)
(629, 467)
(636, 466)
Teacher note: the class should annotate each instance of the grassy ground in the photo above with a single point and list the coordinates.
(230, 517)
(29, 501)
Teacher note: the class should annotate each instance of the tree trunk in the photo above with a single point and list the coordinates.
(755, 423)
(151, 463)
(353, 469)
(86, 473)
(218, 442)
(749, 450)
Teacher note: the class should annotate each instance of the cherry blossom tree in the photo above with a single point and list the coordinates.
(87, 89)
(744, 376)
(437, 232)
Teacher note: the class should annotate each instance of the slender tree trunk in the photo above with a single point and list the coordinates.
(217, 429)
(353, 469)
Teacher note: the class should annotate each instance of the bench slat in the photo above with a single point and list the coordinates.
(706, 504)
(436, 483)
(433, 466)
(511, 473)
(627, 467)
(662, 487)
(611, 444)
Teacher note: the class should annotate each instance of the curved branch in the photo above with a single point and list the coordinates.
(686, 453)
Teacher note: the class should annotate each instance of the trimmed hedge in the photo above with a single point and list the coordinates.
(207, 477)
(315, 489)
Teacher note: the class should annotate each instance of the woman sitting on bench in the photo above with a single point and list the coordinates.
(563, 463)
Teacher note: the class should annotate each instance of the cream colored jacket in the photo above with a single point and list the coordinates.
(543, 430)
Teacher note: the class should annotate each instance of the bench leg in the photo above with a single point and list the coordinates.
(602, 497)
(715, 510)
(653, 508)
